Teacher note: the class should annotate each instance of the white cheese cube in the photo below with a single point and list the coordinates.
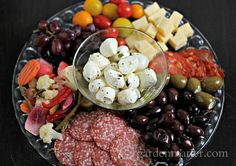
(141, 23)
(157, 17)
(165, 27)
(163, 46)
(151, 30)
(106, 95)
(152, 9)
(176, 18)
(186, 29)
(162, 38)
(178, 41)
(146, 48)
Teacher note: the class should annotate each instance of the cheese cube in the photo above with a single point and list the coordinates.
(186, 29)
(178, 41)
(130, 40)
(146, 48)
(156, 18)
(141, 24)
(163, 46)
(151, 30)
(165, 27)
(162, 38)
(152, 9)
(176, 18)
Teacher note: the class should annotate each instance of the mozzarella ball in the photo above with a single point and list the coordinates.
(122, 51)
(97, 84)
(147, 78)
(100, 60)
(113, 66)
(127, 96)
(132, 80)
(106, 95)
(114, 79)
(128, 64)
(109, 47)
(142, 61)
(91, 71)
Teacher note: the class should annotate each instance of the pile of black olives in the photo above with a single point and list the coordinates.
(177, 118)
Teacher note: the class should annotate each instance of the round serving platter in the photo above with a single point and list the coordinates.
(64, 17)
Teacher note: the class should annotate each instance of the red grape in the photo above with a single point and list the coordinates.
(41, 40)
(54, 26)
(43, 25)
(78, 30)
(57, 47)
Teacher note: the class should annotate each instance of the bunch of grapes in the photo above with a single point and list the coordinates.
(56, 43)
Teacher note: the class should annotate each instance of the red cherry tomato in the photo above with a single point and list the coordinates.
(102, 22)
(121, 42)
(117, 1)
(125, 10)
(111, 33)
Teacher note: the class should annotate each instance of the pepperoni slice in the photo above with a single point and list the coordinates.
(105, 128)
(64, 150)
(83, 153)
(101, 157)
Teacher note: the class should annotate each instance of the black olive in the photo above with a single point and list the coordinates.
(173, 95)
(162, 138)
(151, 104)
(185, 143)
(176, 155)
(131, 113)
(152, 125)
(171, 135)
(200, 120)
(183, 116)
(154, 111)
(194, 131)
(161, 100)
(167, 118)
(148, 138)
(193, 109)
(187, 96)
(170, 108)
(142, 120)
(177, 127)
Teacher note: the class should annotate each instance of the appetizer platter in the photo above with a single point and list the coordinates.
(118, 83)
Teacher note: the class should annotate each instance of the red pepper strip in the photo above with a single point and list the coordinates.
(61, 96)
(56, 116)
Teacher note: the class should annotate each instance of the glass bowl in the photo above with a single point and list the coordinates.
(92, 44)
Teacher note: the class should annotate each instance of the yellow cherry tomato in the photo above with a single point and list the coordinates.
(94, 7)
(123, 22)
(110, 11)
(137, 11)
(82, 18)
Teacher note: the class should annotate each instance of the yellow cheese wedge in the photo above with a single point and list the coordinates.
(146, 48)
(136, 36)
(141, 24)
(157, 17)
(152, 9)
(178, 41)
(163, 46)
(151, 30)
(162, 38)
(176, 18)
(165, 27)
(186, 29)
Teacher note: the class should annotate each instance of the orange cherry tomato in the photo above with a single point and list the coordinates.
(82, 18)
(125, 10)
(121, 42)
(137, 11)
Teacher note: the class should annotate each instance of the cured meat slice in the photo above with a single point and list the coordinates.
(126, 149)
(81, 125)
(64, 150)
(105, 128)
(83, 153)
(101, 157)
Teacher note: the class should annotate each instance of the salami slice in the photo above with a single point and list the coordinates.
(105, 128)
(101, 157)
(81, 125)
(64, 150)
(83, 153)
(127, 150)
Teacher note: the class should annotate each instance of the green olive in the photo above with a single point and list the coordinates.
(205, 100)
(86, 103)
(212, 84)
(178, 81)
(194, 85)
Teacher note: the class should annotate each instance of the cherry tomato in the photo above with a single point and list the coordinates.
(121, 42)
(111, 33)
(102, 22)
(125, 10)
(117, 1)
(138, 11)
(94, 7)
(110, 11)
(82, 18)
